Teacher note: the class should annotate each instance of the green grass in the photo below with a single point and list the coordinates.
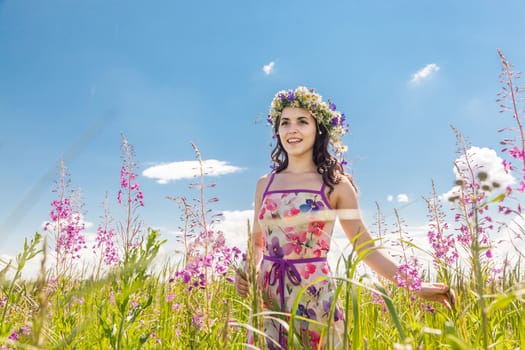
(129, 309)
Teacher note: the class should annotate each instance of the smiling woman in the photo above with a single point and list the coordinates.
(296, 207)
(296, 130)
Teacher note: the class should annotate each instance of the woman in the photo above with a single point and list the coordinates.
(295, 209)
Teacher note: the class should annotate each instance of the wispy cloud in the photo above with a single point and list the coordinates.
(166, 172)
(400, 198)
(268, 68)
(484, 160)
(424, 72)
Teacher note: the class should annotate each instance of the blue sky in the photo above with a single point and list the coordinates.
(74, 75)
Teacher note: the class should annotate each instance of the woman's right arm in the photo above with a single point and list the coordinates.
(257, 237)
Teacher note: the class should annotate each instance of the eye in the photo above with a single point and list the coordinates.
(284, 122)
(303, 121)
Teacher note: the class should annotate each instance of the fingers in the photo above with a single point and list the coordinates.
(451, 298)
(447, 304)
(241, 285)
(447, 296)
(439, 292)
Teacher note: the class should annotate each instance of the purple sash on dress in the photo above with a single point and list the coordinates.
(286, 267)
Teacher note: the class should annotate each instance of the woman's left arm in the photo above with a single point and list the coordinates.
(378, 259)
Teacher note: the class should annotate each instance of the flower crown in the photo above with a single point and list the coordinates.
(323, 112)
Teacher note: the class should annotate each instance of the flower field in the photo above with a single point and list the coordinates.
(128, 300)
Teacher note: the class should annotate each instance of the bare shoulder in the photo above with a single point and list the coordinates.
(263, 181)
(345, 193)
(261, 186)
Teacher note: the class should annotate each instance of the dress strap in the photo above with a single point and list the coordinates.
(269, 184)
(323, 187)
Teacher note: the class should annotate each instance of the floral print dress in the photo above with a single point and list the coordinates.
(297, 226)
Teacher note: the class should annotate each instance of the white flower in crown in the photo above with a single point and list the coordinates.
(324, 112)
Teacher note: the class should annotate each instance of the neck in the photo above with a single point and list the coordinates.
(300, 165)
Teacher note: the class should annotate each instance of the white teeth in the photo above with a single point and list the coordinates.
(294, 140)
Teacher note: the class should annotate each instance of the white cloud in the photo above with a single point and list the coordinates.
(402, 198)
(424, 72)
(268, 68)
(166, 172)
(482, 160)
(234, 225)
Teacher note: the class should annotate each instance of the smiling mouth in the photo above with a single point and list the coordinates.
(293, 140)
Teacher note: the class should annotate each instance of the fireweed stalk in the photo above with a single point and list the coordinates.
(131, 198)
(66, 224)
(207, 258)
(105, 246)
(381, 231)
(511, 101)
(474, 224)
(407, 275)
(445, 254)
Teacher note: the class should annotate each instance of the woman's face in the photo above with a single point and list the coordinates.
(297, 131)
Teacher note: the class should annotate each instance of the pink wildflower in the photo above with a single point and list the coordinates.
(515, 152)
(14, 336)
(408, 276)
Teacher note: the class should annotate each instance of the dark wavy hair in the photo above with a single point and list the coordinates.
(327, 165)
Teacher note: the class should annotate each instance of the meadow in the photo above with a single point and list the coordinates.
(127, 300)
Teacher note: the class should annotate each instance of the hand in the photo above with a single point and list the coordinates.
(438, 292)
(241, 283)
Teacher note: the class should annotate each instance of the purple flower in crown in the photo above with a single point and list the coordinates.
(324, 112)
(269, 119)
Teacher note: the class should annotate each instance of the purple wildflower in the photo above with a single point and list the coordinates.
(66, 220)
(197, 321)
(25, 329)
(378, 300)
(170, 297)
(407, 276)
